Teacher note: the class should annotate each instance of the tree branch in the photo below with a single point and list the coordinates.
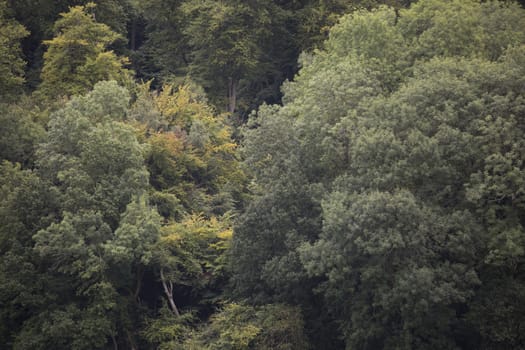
(169, 293)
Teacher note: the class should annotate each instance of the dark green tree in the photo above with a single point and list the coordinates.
(27, 205)
(165, 51)
(372, 187)
(230, 42)
(21, 132)
(96, 246)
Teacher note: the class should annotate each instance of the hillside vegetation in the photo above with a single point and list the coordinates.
(262, 175)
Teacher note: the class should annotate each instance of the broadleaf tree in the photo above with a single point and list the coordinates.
(392, 191)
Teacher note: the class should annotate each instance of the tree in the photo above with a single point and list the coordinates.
(496, 191)
(28, 204)
(11, 63)
(385, 252)
(98, 245)
(191, 159)
(315, 18)
(21, 132)
(38, 16)
(165, 50)
(77, 57)
(226, 40)
(192, 254)
(242, 327)
(241, 52)
(369, 200)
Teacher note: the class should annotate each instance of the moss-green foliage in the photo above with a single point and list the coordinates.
(101, 229)
(240, 327)
(78, 55)
(21, 131)
(166, 331)
(83, 227)
(395, 190)
(11, 63)
(192, 253)
(230, 43)
(191, 157)
(165, 51)
(386, 193)
(27, 205)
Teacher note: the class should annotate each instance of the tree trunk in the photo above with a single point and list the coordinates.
(132, 344)
(115, 344)
(232, 94)
(140, 274)
(168, 289)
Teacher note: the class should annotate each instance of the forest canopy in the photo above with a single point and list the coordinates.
(262, 174)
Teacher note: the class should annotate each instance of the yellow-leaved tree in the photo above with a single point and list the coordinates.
(192, 158)
(196, 186)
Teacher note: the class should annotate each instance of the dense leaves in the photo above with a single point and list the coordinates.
(77, 57)
(380, 206)
(401, 142)
(11, 63)
(84, 225)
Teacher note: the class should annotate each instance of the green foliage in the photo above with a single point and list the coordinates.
(191, 158)
(11, 62)
(98, 242)
(165, 51)
(384, 252)
(240, 51)
(192, 253)
(463, 28)
(226, 40)
(77, 57)
(27, 204)
(316, 18)
(96, 159)
(239, 327)
(394, 189)
(387, 191)
(21, 131)
(138, 231)
(167, 331)
(38, 16)
(90, 236)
